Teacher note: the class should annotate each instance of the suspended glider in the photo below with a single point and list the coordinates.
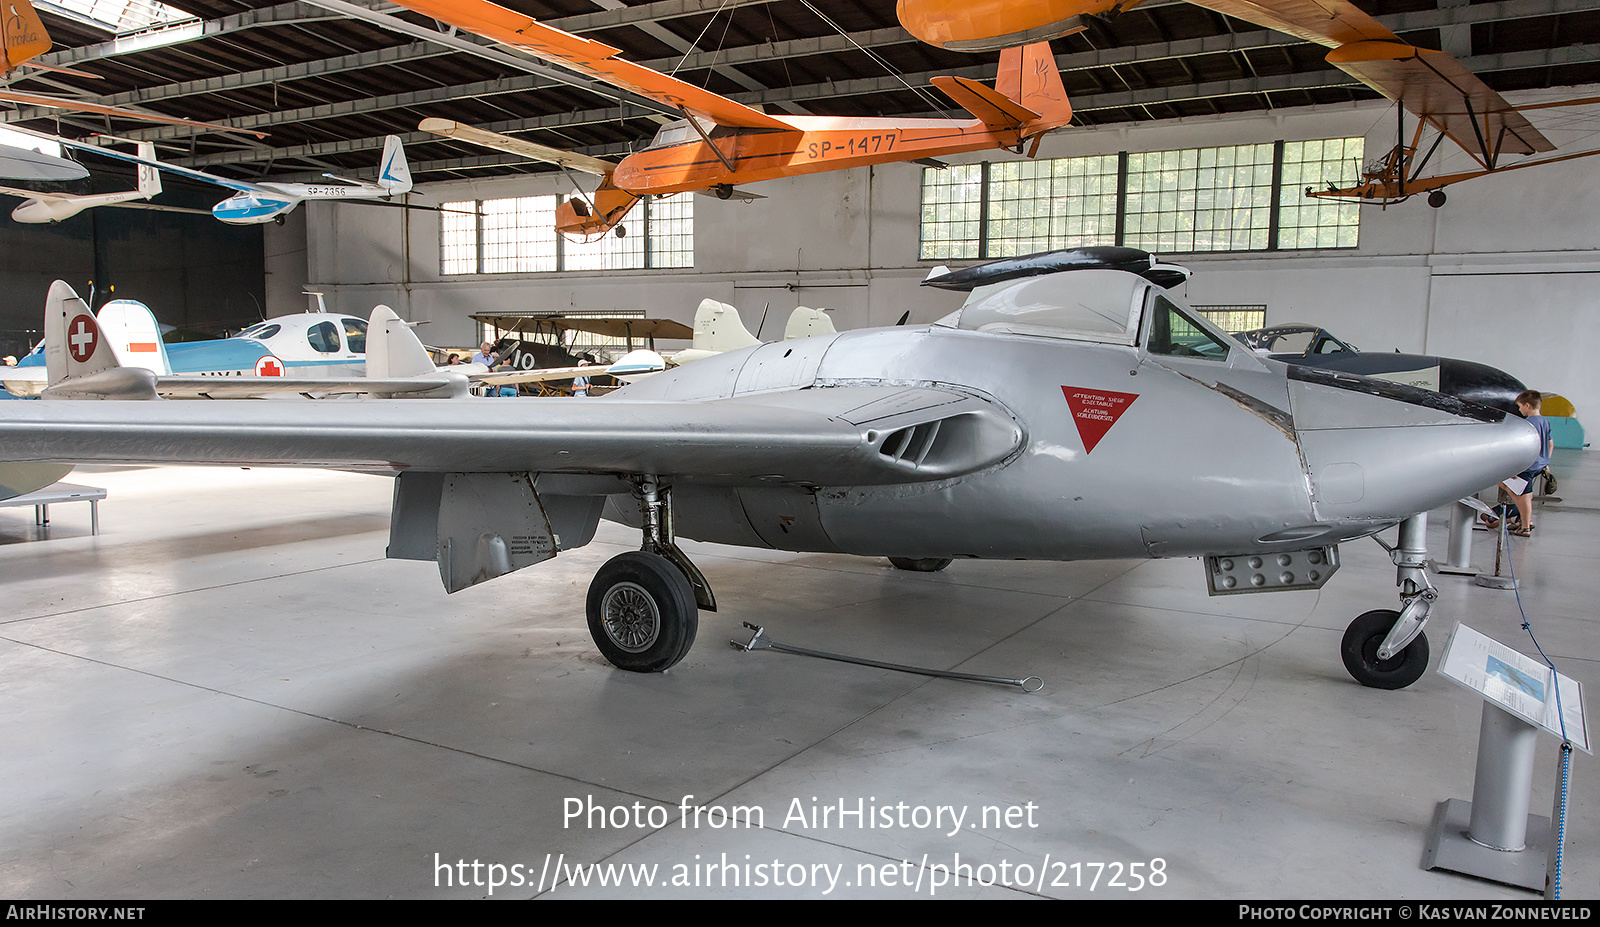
(720, 143)
(1430, 84)
(270, 201)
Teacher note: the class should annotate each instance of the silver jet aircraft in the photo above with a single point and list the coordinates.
(1071, 409)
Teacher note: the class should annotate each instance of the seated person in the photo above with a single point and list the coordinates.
(1528, 406)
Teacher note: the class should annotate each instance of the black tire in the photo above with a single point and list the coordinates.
(923, 565)
(1437, 198)
(1360, 651)
(724, 191)
(642, 613)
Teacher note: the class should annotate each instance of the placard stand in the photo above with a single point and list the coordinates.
(1493, 836)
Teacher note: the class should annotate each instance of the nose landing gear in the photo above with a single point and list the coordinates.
(1384, 648)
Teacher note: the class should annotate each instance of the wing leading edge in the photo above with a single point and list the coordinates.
(841, 436)
(591, 58)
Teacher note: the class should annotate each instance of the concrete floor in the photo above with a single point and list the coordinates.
(231, 694)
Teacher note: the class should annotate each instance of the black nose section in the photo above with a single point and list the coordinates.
(1479, 383)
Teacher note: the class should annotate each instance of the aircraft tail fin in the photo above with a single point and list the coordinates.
(1029, 79)
(22, 35)
(129, 327)
(717, 327)
(79, 360)
(394, 174)
(73, 344)
(805, 322)
(149, 176)
(393, 349)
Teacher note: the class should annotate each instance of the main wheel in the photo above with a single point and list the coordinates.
(642, 613)
(1437, 198)
(924, 565)
(724, 191)
(1360, 651)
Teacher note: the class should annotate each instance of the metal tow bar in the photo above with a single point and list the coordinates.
(759, 641)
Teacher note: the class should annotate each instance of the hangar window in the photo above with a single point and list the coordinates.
(952, 211)
(1307, 223)
(119, 16)
(1045, 205)
(1227, 198)
(1200, 199)
(518, 236)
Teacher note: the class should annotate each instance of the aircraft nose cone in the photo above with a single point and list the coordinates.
(1479, 383)
(1378, 452)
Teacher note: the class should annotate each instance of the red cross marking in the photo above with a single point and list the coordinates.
(269, 366)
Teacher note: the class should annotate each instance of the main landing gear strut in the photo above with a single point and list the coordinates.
(644, 605)
(1384, 648)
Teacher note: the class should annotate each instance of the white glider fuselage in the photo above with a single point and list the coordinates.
(56, 207)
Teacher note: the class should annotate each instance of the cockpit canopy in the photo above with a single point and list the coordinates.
(1100, 306)
(678, 132)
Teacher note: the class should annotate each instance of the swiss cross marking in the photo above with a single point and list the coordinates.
(82, 336)
(269, 366)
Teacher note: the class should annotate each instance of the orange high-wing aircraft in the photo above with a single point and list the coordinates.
(1396, 177)
(23, 38)
(720, 142)
(1430, 84)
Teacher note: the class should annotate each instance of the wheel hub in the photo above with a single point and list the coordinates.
(630, 616)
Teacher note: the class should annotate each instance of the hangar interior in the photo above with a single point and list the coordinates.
(230, 693)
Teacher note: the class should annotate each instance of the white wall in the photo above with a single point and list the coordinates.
(1505, 273)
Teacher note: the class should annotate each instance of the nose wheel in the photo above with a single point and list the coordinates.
(1384, 648)
(1360, 646)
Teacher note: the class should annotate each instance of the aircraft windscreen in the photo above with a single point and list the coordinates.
(1174, 334)
(260, 330)
(1291, 342)
(673, 133)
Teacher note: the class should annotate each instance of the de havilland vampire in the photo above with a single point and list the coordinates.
(1071, 409)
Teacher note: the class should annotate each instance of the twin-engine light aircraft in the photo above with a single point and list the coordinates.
(1071, 409)
(720, 143)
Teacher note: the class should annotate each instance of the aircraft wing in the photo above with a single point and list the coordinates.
(594, 59)
(135, 383)
(1431, 84)
(517, 146)
(242, 186)
(27, 194)
(837, 436)
(83, 106)
(26, 164)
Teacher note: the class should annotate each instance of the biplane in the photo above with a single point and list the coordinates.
(720, 143)
(1430, 84)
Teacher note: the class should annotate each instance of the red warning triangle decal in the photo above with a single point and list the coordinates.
(1095, 411)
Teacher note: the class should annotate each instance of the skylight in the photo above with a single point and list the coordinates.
(118, 16)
